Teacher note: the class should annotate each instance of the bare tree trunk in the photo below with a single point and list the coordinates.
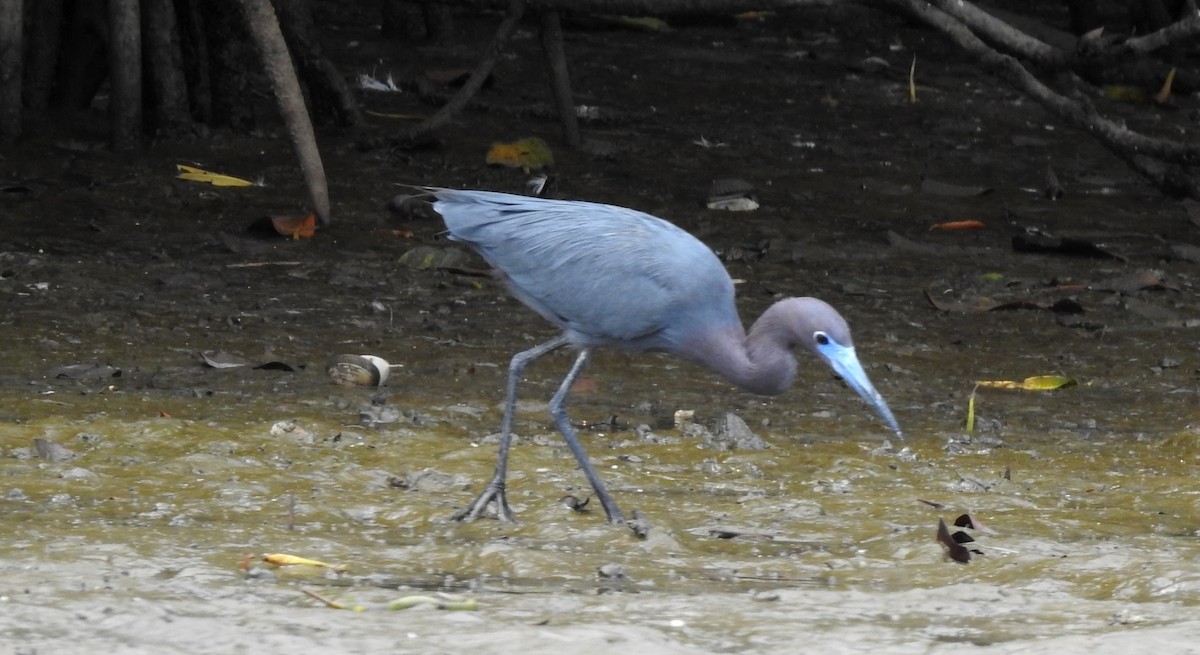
(168, 88)
(278, 63)
(125, 55)
(10, 70)
(45, 27)
(560, 78)
(329, 97)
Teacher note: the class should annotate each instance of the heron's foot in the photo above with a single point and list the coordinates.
(494, 493)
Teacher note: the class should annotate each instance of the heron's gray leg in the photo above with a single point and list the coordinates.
(558, 411)
(495, 489)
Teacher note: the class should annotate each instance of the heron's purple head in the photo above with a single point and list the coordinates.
(818, 327)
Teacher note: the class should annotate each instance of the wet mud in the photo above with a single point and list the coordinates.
(139, 487)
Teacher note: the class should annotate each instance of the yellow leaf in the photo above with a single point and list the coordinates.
(1125, 93)
(279, 559)
(528, 154)
(912, 80)
(1035, 383)
(971, 412)
(193, 174)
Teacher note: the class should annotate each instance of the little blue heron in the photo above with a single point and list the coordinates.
(611, 276)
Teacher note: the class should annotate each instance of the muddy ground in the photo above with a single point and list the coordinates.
(115, 277)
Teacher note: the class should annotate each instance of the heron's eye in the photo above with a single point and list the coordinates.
(821, 338)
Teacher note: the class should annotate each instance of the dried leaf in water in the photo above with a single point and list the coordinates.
(575, 504)
(969, 521)
(970, 426)
(280, 559)
(639, 23)
(193, 174)
(970, 224)
(527, 154)
(954, 550)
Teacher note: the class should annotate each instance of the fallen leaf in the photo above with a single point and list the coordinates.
(528, 154)
(973, 523)
(970, 224)
(294, 226)
(954, 550)
(912, 80)
(396, 117)
(1034, 383)
(1164, 94)
(221, 359)
(280, 559)
(193, 174)
(1125, 93)
(640, 23)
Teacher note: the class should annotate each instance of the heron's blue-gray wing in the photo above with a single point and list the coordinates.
(607, 274)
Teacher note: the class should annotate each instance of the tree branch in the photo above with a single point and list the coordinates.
(1130, 146)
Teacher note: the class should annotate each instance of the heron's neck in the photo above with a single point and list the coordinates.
(760, 362)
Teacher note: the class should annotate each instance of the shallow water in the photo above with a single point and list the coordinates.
(149, 539)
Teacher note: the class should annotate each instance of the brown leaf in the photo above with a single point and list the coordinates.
(954, 226)
(954, 550)
(295, 227)
(970, 521)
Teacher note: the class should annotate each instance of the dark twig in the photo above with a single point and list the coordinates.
(560, 78)
(475, 81)
(1138, 150)
(1004, 35)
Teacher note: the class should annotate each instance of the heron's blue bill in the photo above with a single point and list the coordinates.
(844, 362)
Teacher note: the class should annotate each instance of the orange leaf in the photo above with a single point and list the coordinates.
(958, 225)
(296, 227)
